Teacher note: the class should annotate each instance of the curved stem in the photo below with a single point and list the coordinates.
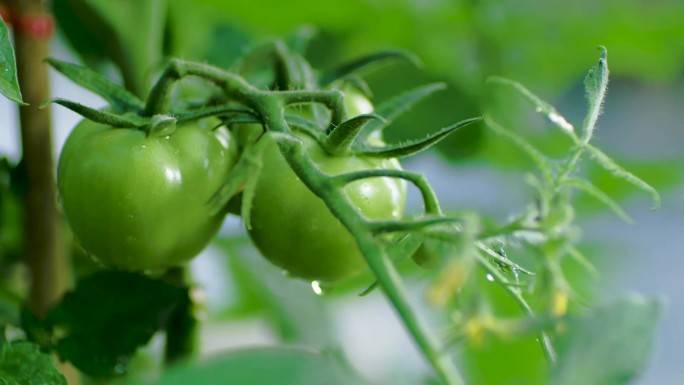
(543, 338)
(271, 108)
(377, 258)
(429, 197)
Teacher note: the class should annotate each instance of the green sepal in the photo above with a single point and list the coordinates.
(367, 64)
(357, 83)
(341, 138)
(161, 125)
(243, 177)
(99, 116)
(412, 147)
(120, 100)
(393, 108)
(306, 125)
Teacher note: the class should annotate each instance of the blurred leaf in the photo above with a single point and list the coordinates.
(8, 71)
(291, 305)
(394, 107)
(196, 31)
(108, 316)
(88, 45)
(10, 216)
(619, 172)
(609, 346)
(10, 304)
(282, 366)
(22, 363)
(130, 32)
(368, 63)
(597, 193)
(662, 174)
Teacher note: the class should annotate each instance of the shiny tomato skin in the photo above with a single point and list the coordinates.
(295, 230)
(139, 202)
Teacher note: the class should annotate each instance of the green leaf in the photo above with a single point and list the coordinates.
(282, 366)
(368, 63)
(609, 346)
(119, 99)
(108, 316)
(541, 106)
(130, 32)
(301, 38)
(595, 86)
(412, 147)
(616, 170)
(22, 363)
(539, 159)
(103, 117)
(295, 312)
(393, 108)
(339, 141)
(8, 70)
(594, 191)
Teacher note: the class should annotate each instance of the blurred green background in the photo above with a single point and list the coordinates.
(546, 45)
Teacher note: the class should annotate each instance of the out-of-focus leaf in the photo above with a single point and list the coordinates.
(8, 70)
(22, 363)
(609, 346)
(108, 316)
(263, 366)
(10, 215)
(131, 33)
(291, 305)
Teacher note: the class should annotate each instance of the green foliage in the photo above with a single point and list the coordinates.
(130, 33)
(610, 345)
(8, 71)
(286, 366)
(298, 316)
(22, 363)
(99, 326)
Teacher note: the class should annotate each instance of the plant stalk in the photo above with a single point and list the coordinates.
(43, 244)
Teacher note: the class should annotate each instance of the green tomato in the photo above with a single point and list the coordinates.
(294, 229)
(137, 202)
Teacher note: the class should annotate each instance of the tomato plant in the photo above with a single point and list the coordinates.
(294, 229)
(138, 201)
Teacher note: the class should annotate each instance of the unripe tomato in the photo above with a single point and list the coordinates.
(294, 229)
(138, 202)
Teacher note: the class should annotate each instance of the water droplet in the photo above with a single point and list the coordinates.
(490, 278)
(516, 274)
(286, 273)
(316, 286)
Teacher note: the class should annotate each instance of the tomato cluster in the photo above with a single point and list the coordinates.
(139, 199)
